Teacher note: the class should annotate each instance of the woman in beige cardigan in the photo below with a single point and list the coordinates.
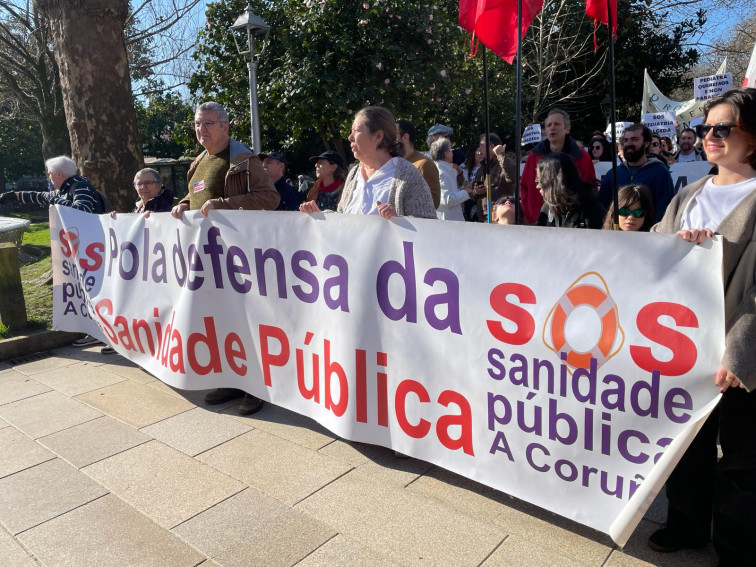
(724, 204)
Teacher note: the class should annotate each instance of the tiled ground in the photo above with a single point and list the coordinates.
(102, 465)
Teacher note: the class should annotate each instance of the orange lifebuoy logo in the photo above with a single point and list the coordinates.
(589, 290)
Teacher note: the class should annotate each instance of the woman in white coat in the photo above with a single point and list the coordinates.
(452, 197)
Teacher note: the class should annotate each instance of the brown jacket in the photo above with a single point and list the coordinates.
(429, 170)
(248, 185)
(738, 230)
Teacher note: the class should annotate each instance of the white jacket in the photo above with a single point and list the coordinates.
(452, 197)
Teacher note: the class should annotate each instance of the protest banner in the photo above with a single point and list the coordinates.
(711, 86)
(661, 123)
(750, 76)
(552, 371)
(532, 134)
(619, 128)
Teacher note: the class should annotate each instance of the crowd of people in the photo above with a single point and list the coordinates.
(558, 188)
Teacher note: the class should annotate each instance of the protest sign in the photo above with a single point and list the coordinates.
(662, 123)
(619, 128)
(532, 134)
(711, 86)
(549, 372)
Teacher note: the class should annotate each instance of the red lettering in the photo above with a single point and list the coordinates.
(684, 353)
(405, 387)
(331, 368)
(106, 306)
(211, 342)
(522, 318)
(94, 253)
(269, 359)
(234, 349)
(463, 420)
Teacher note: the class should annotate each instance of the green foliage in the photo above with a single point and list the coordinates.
(164, 122)
(20, 147)
(327, 59)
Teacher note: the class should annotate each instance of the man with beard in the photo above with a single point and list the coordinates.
(688, 150)
(558, 139)
(641, 169)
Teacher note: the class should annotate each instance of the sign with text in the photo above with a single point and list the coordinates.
(619, 127)
(549, 374)
(662, 123)
(532, 134)
(711, 86)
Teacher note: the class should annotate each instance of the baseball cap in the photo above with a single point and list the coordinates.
(440, 129)
(331, 156)
(275, 155)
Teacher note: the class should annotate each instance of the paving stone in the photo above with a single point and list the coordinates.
(231, 521)
(78, 378)
(19, 452)
(280, 543)
(12, 554)
(637, 553)
(276, 466)
(197, 397)
(252, 528)
(45, 364)
(47, 413)
(516, 550)
(407, 527)
(377, 462)
(289, 425)
(195, 431)
(107, 533)
(45, 491)
(340, 551)
(4, 424)
(128, 370)
(15, 386)
(135, 403)
(162, 482)
(514, 516)
(93, 441)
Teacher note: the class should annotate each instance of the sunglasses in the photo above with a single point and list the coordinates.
(655, 144)
(597, 147)
(637, 213)
(721, 130)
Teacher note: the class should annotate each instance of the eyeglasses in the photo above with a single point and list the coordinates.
(144, 183)
(721, 130)
(655, 144)
(597, 147)
(204, 123)
(637, 213)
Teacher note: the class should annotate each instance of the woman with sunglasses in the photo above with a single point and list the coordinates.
(504, 211)
(636, 209)
(655, 150)
(724, 204)
(600, 150)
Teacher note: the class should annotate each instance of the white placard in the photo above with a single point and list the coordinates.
(554, 377)
(619, 126)
(661, 123)
(532, 134)
(711, 86)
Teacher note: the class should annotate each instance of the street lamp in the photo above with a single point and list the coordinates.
(257, 30)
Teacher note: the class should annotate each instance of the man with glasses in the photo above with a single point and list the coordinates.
(640, 169)
(227, 175)
(688, 150)
(67, 188)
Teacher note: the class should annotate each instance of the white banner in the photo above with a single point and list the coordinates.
(711, 86)
(532, 134)
(662, 123)
(619, 128)
(568, 368)
(750, 77)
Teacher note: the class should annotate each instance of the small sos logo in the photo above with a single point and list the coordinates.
(70, 243)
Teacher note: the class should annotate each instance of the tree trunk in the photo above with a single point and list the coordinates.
(90, 51)
(55, 141)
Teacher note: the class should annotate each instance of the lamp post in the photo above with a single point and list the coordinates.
(257, 30)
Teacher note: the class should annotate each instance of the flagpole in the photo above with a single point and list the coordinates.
(518, 118)
(488, 131)
(613, 114)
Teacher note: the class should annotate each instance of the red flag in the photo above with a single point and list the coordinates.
(597, 10)
(494, 22)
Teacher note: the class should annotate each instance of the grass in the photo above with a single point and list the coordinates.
(34, 276)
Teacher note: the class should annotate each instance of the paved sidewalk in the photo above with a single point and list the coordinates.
(102, 465)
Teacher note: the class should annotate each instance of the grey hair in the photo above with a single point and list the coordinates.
(439, 148)
(216, 107)
(562, 112)
(62, 164)
(155, 174)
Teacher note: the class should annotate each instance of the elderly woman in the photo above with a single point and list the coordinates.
(568, 201)
(452, 197)
(153, 195)
(724, 204)
(382, 183)
(329, 182)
